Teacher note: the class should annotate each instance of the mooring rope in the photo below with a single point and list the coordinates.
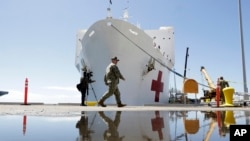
(164, 65)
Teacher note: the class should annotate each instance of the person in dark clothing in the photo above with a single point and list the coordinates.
(84, 88)
(84, 85)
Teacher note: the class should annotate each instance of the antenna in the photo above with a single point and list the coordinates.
(109, 13)
(125, 12)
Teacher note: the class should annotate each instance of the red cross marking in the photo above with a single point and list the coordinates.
(157, 86)
(157, 124)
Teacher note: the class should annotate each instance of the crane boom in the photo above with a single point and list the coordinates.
(209, 81)
(210, 131)
(211, 93)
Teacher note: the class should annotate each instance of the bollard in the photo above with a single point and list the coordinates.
(26, 92)
(228, 92)
(218, 93)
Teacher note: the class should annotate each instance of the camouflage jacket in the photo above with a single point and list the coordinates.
(113, 74)
(223, 84)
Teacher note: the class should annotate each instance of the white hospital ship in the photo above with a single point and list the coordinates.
(146, 58)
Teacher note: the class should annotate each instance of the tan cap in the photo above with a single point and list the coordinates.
(115, 58)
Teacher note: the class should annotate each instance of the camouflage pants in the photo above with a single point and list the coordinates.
(113, 89)
(222, 96)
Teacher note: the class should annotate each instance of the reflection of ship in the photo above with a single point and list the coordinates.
(161, 125)
(3, 93)
(145, 58)
(130, 126)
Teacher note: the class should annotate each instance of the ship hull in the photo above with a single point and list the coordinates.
(136, 51)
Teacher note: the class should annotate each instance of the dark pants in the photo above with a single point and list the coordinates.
(84, 91)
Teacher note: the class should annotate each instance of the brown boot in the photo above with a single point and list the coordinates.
(121, 105)
(101, 103)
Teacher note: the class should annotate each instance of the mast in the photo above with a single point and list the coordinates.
(243, 55)
(125, 12)
(109, 13)
(185, 67)
(245, 96)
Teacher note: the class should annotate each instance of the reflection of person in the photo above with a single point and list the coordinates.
(111, 79)
(223, 84)
(111, 134)
(84, 131)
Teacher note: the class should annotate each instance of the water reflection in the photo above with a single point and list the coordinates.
(204, 125)
(84, 129)
(124, 126)
(24, 124)
(111, 133)
(158, 124)
(223, 120)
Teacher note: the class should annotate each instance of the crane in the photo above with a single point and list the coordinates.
(211, 93)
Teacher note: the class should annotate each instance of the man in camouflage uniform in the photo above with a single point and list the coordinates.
(111, 79)
(223, 84)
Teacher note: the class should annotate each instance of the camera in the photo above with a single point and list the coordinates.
(88, 75)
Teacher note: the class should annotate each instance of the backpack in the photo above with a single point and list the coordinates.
(105, 80)
(78, 86)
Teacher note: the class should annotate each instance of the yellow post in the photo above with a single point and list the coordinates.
(228, 93)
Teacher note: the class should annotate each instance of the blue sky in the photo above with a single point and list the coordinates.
(38, 39)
